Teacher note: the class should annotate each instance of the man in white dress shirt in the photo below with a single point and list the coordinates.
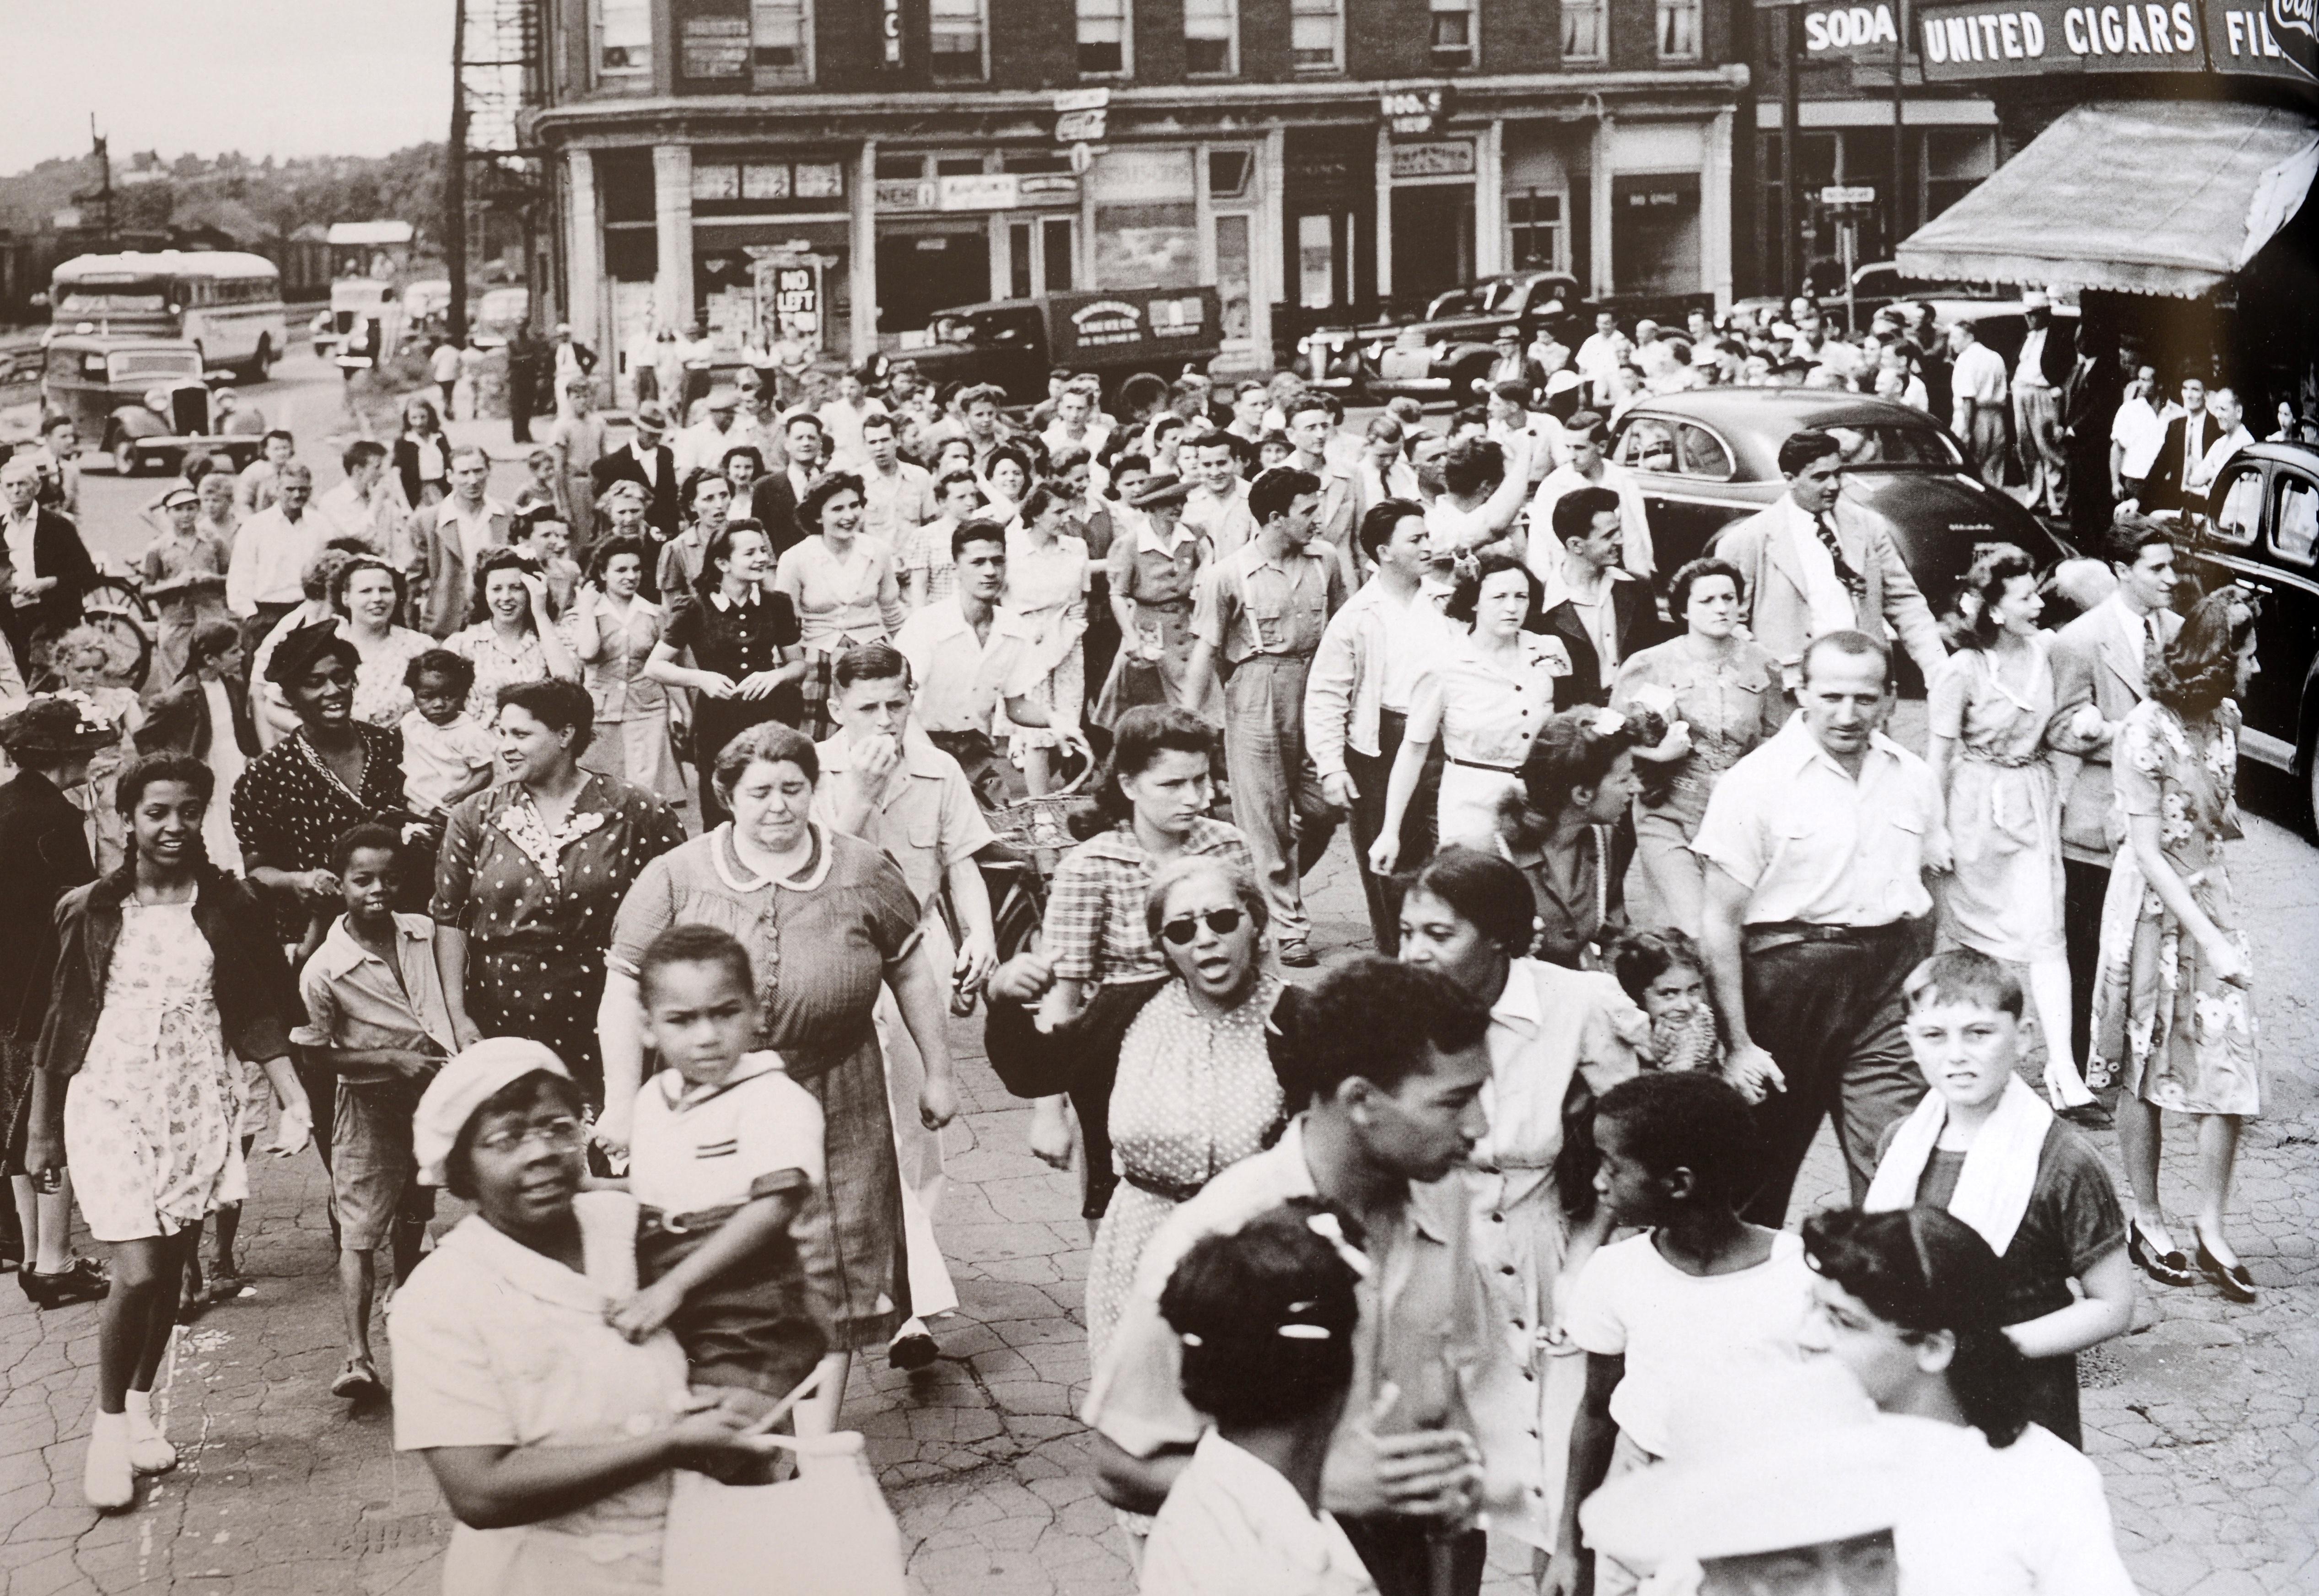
(2135, 433)
(1605, 350)
(270, 554)
(968, 652)
(1586, 438)
(897, 497)
(1218, 507)
(701, 446)
(1978, 389)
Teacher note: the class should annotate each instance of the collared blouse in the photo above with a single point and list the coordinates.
(1731, 707)
(1094, 929)
(1488, 707)
(854, 599)
(614, 647)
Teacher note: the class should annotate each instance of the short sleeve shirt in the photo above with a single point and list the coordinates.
(503, 876)
(1676, 1330)
(926, 819)
(1245, 603)
(694, 1149)
(1094, 928)
(962, 679)
(353, 1000)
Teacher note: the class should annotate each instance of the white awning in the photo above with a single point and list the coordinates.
(2162, 197)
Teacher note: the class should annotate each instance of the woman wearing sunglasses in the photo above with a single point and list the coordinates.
(1196, 1090)
(1558, 1040)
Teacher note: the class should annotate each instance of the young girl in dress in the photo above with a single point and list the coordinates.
(1048, 574)
(1989, 705)
(163, 965)
(93, 671)
(614, 630)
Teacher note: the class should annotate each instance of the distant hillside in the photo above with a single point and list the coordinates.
(239, 195)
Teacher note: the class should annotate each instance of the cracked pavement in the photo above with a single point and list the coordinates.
(2205, 1419)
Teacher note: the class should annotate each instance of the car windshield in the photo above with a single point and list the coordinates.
(987, 327)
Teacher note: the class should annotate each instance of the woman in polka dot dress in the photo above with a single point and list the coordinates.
(1196, 1089)
(531, 873)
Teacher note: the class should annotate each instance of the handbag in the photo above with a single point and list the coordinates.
(827, 1532)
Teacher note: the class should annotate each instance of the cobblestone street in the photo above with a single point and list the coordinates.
(2205, 1420)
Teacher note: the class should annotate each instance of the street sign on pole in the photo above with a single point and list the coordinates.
(1840, 196)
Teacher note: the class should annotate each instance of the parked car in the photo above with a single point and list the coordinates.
(143, 401)
(1112, 332)
(1709, 458)
(20, 394)
(1440, 354)
(2264, 535)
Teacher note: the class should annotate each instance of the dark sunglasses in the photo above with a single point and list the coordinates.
(1181, 931)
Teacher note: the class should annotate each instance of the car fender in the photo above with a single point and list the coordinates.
(135, 421)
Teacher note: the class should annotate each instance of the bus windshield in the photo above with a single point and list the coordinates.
(83, 301)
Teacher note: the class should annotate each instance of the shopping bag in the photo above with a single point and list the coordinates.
(828, 1532)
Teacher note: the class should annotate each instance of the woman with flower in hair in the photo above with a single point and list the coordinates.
(2174, 1017)
(1560, 827)
(1485, 698)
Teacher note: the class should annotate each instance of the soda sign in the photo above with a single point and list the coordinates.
(1849, 30)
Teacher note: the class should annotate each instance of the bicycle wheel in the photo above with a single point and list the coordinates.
(113, 607)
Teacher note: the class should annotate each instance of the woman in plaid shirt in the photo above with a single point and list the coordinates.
(1099, 962)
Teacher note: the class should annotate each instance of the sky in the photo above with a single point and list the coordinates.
(279, 78)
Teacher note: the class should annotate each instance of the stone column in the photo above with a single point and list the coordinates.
(584, 250)
(672, 301)
(862, 265)
(1490, 200)
(1604, 212)
(1714, 221)
(1384, 216)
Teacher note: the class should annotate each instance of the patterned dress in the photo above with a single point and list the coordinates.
(2164, 1027)
(1193, 1095)
(822, 943)
(1048, 588)
(150, 1117)
(497, 665)
(538, 907)
(289, 807)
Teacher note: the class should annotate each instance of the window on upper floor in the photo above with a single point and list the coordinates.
(623, 42)
(1679, 22)
(1103, 37)
(1316, 35)
(958, 31)
(1211, 38)
(781, 43)
(1455, 34)
(1582, 30)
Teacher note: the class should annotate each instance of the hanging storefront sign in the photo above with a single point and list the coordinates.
(1856, 32)
(977, 191)
(789, 293)
(2264, 38)
(1449, 157)
(905, 193)
(1080, 115)
(2037, 38)
(1414, 110)
(890, 31)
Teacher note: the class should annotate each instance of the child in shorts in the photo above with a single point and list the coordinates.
(377, 1017)
(724, 1150)
(1983, 1145)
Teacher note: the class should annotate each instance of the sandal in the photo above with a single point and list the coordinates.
(2167, 1268)
(358, 1381)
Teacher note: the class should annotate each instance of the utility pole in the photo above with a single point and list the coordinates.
(454, 178)
(1792, 209)
(101, 148)
(1901, 184)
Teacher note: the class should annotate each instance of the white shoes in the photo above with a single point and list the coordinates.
(149, 1452)
(109, 1480)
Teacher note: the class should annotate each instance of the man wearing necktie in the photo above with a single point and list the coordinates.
(1815, 564)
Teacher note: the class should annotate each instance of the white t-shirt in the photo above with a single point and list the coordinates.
(2030, 1518)
(1676, 1330)
(697, 1148)
(2140, 431)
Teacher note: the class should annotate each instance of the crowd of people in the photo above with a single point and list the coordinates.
(392, 855)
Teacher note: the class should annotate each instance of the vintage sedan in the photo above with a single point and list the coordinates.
(2264, 536)
(1441, 355)
(1709, 458)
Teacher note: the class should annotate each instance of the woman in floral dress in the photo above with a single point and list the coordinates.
(2173, 1019)
(1724, 689)
(163, 965)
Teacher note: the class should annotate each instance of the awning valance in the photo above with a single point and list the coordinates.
(2165, 197)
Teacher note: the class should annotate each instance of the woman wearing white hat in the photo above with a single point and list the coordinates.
(552, 1437)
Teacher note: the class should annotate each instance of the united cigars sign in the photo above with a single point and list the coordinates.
(2037, 37)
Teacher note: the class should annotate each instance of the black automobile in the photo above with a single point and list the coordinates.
(1707, 458)
(2264, 535)
(1440, 354)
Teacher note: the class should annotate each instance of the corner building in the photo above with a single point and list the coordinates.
(873, 161)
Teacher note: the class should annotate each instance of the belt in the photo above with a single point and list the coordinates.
(1476, 764)
(1173, 1191)
(2003, 761)
(1784, 933)
(650, 1218)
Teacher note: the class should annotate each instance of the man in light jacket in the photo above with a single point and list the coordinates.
(451, 537)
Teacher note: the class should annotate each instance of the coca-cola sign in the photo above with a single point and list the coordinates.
(2264, 38)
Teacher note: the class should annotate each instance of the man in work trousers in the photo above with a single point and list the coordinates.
(1261, 610)
(1817, 846)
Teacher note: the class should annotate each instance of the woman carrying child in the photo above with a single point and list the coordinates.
(1985, 1146)
(1989, 707)
(1559, 1039)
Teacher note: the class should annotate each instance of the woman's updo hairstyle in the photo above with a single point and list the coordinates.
(2200, 668)
(1981, 591)
(1572, 749)
(770, 742)
(489, 563)
(344, 578)
(1466, 597)
(1267, 1316)
(612, 548)
(1488, 893)
(719, 550)
(1922, 1270)
(1142, 735)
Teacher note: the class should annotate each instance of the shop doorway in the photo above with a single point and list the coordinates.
(1432, 240)
(1039, 254)
(920, 272)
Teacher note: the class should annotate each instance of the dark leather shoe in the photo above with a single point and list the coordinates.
(84, 1281)
(2167, 1268)
(2233, 1282)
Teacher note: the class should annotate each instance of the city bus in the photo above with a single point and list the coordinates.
(228, 305)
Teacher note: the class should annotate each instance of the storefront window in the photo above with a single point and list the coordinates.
(1655, 242)
(1146, 220)
(782, 43)
(1956, 160)
(1316, 35)
(1316, 262)
(624, 43)
(1232, 280)
(1582, 30)
(1534, 220)
(1211, 38)
(956, 28)
(1679, 30)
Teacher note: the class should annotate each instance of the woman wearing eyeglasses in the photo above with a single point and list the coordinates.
(1196, 1090)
